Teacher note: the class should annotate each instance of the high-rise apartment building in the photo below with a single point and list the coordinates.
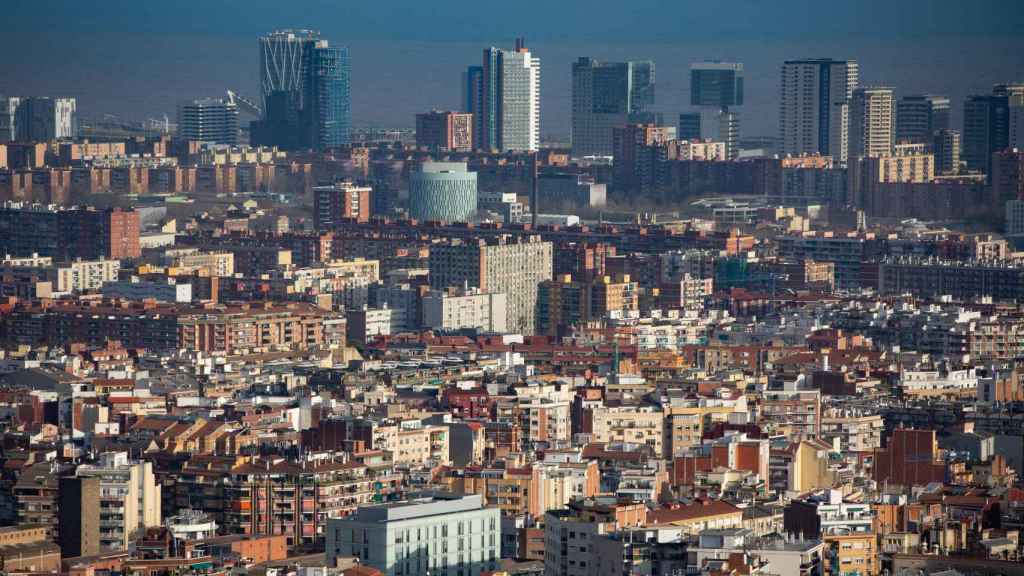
(67, 234)
(871, 122)
(129, 498)
(504, 97)
(78, 516)
(605, 96)
(446, 131)
(920, 117)
(814, 106)
(305, 88)
(628, 145)
(339, 201)
(718, 86)
(43, 118)
(209, 120)
(514, 266)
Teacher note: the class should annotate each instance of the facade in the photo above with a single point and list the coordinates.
(871, 122)
(129, 498)
(718, 86)
(920, 117)
(631, 147)
(78, 524)
(66, 234)
(506, 100)
(327, 115)
(605, 96)
(568, 192)
(41, 119)
(209, 120)
(305, 89)
(444, 191)
(960, 280)
(511, 266)
(445, 131)
(439, 534)
(946, 145)
(160, 291)
(689, 126)
(986, 128)
(814, 106)
(911, 458)
(9, 119)
(1015, 218)
(465, 309)
(21, 276)
(340, 201)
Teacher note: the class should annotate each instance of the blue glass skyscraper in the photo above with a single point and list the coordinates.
(305, 85)
(327, 106)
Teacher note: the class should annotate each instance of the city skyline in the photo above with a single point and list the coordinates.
(205, 65)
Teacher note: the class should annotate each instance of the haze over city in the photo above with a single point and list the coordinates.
(517, 288)
(138, 59)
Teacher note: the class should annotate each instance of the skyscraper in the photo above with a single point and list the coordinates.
(814, 106)
(871, 122)
(326, 102)
(305, 86)
(41, 118)
(473, 100)
(209, 120)
(719, 86)
(716, 84)
(1016, 102)
(504, 97)
(8, 117)
(920, 117)
(605, 96)
(986, 130)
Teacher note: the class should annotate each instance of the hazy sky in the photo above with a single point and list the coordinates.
(138, 58)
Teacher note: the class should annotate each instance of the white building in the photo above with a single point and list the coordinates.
(459, 309)
(209, 120)
(520, 101)
(441, 534)
(814, 106)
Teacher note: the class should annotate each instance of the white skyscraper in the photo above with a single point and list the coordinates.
(871, 122)
(814, 106)
(519, 100)
(504, 97)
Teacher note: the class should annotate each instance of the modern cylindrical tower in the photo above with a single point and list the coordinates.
(442, 191)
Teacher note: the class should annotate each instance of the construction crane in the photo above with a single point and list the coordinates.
(245, 104)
